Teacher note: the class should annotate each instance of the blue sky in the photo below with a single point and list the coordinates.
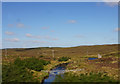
(63, 24)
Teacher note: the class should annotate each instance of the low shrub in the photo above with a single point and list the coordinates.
(41, 56)
(63, 59)
(44, 62)
(31, 63)
(18, 71)
(14, 73)
(54, 58)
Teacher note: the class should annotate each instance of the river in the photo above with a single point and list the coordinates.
(60, 69)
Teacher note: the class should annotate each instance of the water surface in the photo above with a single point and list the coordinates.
(60, 69)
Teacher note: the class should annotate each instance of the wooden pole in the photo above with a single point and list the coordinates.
(53, 53)
(6, 52)
(87, 53)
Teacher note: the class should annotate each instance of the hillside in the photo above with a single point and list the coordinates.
(79, 51)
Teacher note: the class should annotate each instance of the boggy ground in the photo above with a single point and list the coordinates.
(108, 64)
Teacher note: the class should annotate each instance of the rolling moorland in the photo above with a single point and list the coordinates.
(29, 64)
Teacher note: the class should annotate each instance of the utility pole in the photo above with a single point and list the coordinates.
(6, 52)
(53, 53)
(6, 55)
(87, 53)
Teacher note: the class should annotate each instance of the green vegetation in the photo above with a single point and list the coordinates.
(96, 77)
(41, 56)
(27, 67)
(14, 73)
(19, 70)
(44, 62)
(63, 59)
(30, 63)
(115, 54)
(54, 58)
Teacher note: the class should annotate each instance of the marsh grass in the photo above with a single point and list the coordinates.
(63, 59)
(91, 77)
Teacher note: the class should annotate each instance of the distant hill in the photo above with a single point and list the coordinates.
(78, 51)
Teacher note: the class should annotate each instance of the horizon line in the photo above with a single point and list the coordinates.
(63, 47)
(59, 1)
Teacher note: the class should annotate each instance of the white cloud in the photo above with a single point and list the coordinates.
(50, 38)
(41, 37)
(110, 0)
(9, 33)
(10, 25)
(45, 27)
(55, 39)
(52, 31)
(35, 41)
(72, 21)
(38, 37)
(29, 35)
(117, 29)
(12, 40)
(79, 36)
(111, 3)
(20, 25)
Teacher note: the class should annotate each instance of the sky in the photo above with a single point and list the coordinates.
(58, 24)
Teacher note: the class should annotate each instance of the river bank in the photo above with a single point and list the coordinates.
(43, 74)
(59, 69)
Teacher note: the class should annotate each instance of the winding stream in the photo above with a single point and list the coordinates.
(60, 69)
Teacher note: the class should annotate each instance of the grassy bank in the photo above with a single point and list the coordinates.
(84, 78)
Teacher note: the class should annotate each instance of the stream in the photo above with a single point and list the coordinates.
(60, 69)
